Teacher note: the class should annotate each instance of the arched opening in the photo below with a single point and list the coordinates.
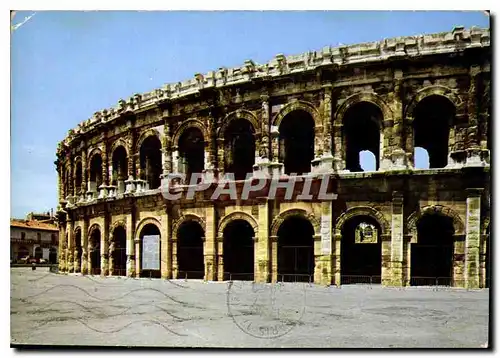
(150, 251)
(119, 162)
(38, 253)
(95, 252)
(238, 249)
(78, 248)
(151, 168)
(191, 152)
(78, 179)
(239, 144)
(362, 123)
(421, 158)
(361, 251)
(432, 120)
(296, 250)
(367, 161)
(296, 142)
(120, 251)
(190, 259)
(432, 256)
(53, 255)
(22, 252)
(95, 173)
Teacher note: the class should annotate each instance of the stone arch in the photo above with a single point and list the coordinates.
(237, 215)
(190, 123)
(117, 143)
(362, 211)
(429, 91)
(240, 113)
(77, 229)
(413, 219)
(94, 227)
(147, 133)
(185, 218)
(144, 222)
(78, 159)
(117, 224)
(370, 97)
(298, 105)
(281, 217)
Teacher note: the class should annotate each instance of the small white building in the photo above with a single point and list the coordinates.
(36, 236)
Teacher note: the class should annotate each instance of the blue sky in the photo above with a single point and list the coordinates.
(67, 65)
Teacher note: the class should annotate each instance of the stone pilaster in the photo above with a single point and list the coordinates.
(85, 244)
(220, 258)
(210, 245)
(323, 271)
(262, 247)
(61, 253)
(137, 242)
(337, 256)
(472, 238)
(220, 157)
(396, 149)
(395, 274)
(274, 258)
(474, 157)
(130, 247)
(165, 250)
(104, 248)
(317, 273)
(70, 247)
(338, 148)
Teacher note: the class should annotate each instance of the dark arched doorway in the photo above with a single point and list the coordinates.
(362, 124)
(119, 251)
(361, 251)
(432, 256)
(191, 153)
(433, 117)
(38, 253)
(239, 145)
(296, 142)
(119, 161)
(296, 250)
(238, 249)
(95, 252)
(95, 174)
(190, 258)
(150, 251)
(150, 161)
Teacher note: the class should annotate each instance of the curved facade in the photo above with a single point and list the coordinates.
(306, 116)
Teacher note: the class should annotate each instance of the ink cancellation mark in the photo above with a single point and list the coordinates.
(267, 310)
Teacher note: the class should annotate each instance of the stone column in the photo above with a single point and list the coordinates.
(220, 258)
(103, 189)
(338, 148)
(325, 257)
(472, 238)
(262, 248)
(130, 182)
(137, 242)
(85, 244)
(337, 256)
(104, 247)
(397, 151)
(175, 265)
(210, 245)
(111, 259)
(83, 188)
(61, 253)
(166, 250)
(317, 274)
(474, 157)
(395, 274)
(70, 247)
(274, 258)
(220, 157)
(90, 249)
(130, 246)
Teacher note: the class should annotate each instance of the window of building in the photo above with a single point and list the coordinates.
(54, 239)
(38, 236)
(23, 236)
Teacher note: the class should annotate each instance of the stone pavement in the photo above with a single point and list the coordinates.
(48, 308)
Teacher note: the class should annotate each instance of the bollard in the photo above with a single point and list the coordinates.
(33, 266)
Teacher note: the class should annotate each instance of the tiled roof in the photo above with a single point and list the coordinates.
(32, 224)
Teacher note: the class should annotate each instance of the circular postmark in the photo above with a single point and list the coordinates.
(266, 310)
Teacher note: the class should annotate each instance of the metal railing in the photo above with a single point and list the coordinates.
(433, 281)
(294, 277)
(119, 272)
(238, 276)
(360, 279)
(191, 275)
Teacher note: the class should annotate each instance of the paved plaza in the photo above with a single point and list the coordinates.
(55, 309)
